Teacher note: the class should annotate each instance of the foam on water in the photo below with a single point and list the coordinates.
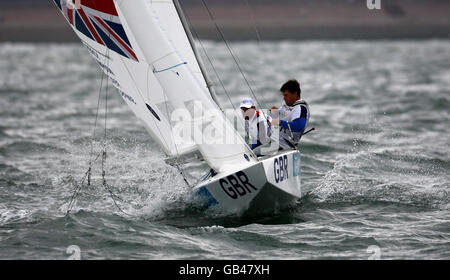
(375, 171)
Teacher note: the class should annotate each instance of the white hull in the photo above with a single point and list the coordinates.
(143, 47)
(271, 183)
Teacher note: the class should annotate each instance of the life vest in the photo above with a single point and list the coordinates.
(290, 139)
(257, 123)
(305, 109)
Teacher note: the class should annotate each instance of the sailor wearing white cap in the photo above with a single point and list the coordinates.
(256, 126)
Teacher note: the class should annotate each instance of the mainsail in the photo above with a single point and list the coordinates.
(143, 47)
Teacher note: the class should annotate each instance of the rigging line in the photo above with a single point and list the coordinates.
(105, 136)
(98, 108)
(173, 140)
(252, 16)
(156, 124)
(107, 58)
(88, 172)
(75, 195)
(154, 121)
(104, 155)
(106, 185)
(210, 61)
(106, 99)
(191, 39)
(108, 188)
(78, 189)
(232, 54)
(168, 117)
(214, 68)
(143, 99)
(95, 123)
(141, 95)
(106, 118)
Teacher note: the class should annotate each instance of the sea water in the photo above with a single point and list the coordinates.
(375, 173)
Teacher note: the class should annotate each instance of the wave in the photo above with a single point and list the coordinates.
(400, 180)
(28, 147)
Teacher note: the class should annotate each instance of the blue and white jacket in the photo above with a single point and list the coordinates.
(293, 122)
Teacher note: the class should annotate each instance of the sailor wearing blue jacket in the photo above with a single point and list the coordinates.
(293, 117)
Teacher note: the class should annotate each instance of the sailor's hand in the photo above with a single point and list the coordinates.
(275, 122)
(273, 110)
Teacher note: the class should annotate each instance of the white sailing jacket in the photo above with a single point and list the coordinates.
(257, 131)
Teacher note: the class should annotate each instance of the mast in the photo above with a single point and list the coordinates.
(188, 32)
(222, 147)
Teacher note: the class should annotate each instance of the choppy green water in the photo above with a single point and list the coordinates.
(376, 170)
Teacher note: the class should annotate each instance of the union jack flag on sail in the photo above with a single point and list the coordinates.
(99, 21)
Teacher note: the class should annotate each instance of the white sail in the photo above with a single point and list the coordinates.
(182, 86)
(108, 39)
(144, 49)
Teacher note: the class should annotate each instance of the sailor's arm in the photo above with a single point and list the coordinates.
(274, 116)
(297, 125)
(263, 132)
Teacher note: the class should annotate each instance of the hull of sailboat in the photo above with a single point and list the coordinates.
(144, 48)
(272, 183)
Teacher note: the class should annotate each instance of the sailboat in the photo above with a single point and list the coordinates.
(146, 49)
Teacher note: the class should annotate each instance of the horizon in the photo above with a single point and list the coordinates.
(283, 20)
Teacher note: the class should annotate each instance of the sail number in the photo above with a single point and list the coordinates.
(236, 185)
(280, 169)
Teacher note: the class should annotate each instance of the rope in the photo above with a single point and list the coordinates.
(252, 16)
(104, 153)
(95, 123)
(175, 144)
(108, 188)
(78, 188)
(87, 175)
(106, 102)
(235, 58)
(211, 63)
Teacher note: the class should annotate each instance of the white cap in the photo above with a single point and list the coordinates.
(247, 103)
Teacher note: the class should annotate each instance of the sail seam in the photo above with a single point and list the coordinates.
(161, 58)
